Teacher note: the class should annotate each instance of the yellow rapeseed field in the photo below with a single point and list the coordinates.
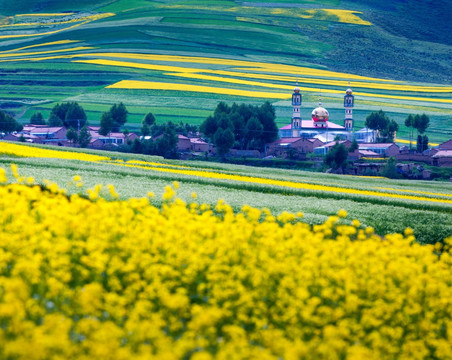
(151, 85)
(52, 43)
(8, 148)
(438, 198)
(90, 278)
(348, 16)
(12, 149)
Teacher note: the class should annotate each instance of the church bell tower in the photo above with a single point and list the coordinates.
(349, 102)
(296, 116)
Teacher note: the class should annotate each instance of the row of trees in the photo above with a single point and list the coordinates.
(383, 125)
(163, 141)
(420, 123)
(386, 127)
(8, 124)
(241, 126)
(72, 115)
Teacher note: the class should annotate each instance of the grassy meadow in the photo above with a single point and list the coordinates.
(178, 61)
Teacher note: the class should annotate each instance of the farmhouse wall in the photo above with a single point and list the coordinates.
(413, 157)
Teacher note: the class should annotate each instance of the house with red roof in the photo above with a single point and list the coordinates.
(113, 139)
(183, 143)
(301, 145)
(199, 145)
(382, 149)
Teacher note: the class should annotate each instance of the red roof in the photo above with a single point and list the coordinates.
(368, 153)
(309, 124)
(290, 140)
(332, 143)
(45, 130)
(197, 141)
(443, 153)
(376, 145)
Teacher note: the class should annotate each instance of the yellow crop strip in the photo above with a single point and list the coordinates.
(413, 191)
(402, 141)
(290, 184)
(194, 74)
(151, 85)
(348, 16)
(343, 16)
(242, 64)
(61, 42)
(138, 65)
(8, 148)
(79, 48)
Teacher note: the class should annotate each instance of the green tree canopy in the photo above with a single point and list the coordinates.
(84, 137)
(390, 169)
(37, 119)
(223, 140)
(422, 143)
(149, 119)
(106, 123)
(8, 124)
(119, 115)
(254, 130)
(421, 123)
(377, 121)
(409, 123)
(145, 130)
(71, 114)
(166, 145)
(236, 118)
(54, 120)
(384, 126)
(72, 135)
(209, 126)
(336, 157)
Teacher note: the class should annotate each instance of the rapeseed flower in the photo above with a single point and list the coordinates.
(126, 279)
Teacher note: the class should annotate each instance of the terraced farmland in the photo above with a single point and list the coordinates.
(178, 60)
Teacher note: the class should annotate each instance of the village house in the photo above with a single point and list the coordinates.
(183, 143)
(199, 145)
(443, 155)
(113, 139)
(382, 149)
(281, 146)
(40, 134)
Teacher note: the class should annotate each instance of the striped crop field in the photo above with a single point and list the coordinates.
(384, 204)
(190, 57)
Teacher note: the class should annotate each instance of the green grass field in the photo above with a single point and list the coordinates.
(262, 47)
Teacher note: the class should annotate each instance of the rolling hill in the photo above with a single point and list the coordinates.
(177, 59)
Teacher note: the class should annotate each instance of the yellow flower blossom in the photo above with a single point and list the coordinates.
(124, 279)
